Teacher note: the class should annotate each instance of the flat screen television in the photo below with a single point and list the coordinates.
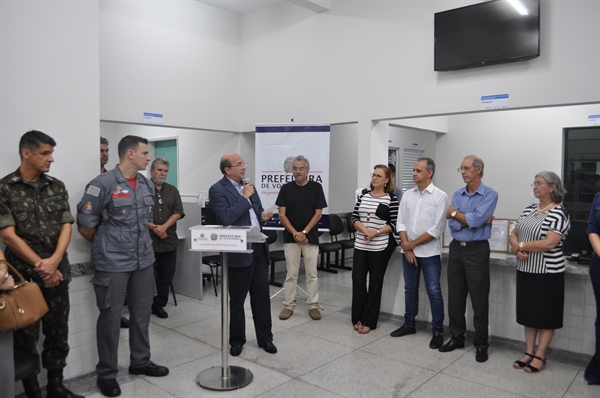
(488, 33)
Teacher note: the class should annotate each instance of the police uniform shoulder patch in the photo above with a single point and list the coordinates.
(87, 208)
(92, 190)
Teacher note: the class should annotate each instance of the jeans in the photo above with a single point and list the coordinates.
(432, 269)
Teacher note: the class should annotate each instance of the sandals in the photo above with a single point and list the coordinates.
(532, 369)
(364, 329)
(520, 364)
(357, 326)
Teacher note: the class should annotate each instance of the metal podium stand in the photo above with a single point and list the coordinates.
(225, 240)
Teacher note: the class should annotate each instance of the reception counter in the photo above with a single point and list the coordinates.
(577, 334)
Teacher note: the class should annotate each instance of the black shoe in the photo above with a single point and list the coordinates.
(55, 388)
(151, 369)
(481, 355)
(437, 340)
(451, 346)
(124, 323)
(109, 387)
(160, 312)
(32, 387)
(403, 331)
(235, 351)
(269, 347)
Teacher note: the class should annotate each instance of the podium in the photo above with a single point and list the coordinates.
(231, 239)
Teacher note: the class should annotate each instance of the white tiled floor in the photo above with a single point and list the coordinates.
(327, 358)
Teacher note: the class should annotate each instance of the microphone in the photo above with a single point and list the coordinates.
(247, 181)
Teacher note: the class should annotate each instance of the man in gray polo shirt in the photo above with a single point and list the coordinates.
(114, 214)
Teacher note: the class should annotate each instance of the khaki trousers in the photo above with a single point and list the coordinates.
(292, 253)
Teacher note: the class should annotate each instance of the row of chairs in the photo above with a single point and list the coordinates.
(335, 245)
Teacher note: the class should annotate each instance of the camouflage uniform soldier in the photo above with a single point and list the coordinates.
(35, 225)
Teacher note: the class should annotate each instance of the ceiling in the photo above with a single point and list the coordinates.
(240, 7)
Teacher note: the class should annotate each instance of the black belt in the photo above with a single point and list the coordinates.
(471, 243)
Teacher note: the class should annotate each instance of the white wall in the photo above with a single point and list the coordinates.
(343, 168)
(199, 151)
(177, 58)
(212, 70)
(401, 138)
(514, 146)
(364, 61)
(376, 58)
(50, 83)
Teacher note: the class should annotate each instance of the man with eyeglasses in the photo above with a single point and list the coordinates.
(470, 217)
(167, 210)
(235, 202)
(301, 203)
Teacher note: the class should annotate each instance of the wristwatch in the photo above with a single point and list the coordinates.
(305, 232)
(453, 214)
(6, 274)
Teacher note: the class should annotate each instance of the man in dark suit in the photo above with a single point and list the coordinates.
(236, 203)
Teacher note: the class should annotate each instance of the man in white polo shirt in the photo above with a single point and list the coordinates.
(421, 223)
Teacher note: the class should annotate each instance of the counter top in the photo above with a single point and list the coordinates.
(508, 260)
(501, 259)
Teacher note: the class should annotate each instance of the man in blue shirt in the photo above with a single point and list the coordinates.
(470, 219)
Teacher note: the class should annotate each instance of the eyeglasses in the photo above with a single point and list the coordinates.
(240, 164)
(298, 168)
(376, 176)
(539, 183)
(461, 169)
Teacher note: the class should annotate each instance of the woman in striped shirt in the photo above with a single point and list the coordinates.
(374, 218)
(537, 242)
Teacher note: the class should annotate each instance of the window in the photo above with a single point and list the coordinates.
(581, 178)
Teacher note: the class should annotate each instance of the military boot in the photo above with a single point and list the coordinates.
(32, 387)
(55, 388)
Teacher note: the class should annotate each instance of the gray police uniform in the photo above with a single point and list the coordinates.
(122, 255)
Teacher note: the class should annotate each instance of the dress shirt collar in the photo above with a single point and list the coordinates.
(480, 190)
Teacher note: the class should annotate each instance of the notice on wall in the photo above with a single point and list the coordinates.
(153, 118)
(497, 101)
(594, 120)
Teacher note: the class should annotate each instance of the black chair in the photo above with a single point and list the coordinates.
(336, 227)
(213, 262)
(173, 293)
(346, 243)
(276, 256)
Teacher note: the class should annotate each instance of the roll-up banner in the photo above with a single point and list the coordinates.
(276, 147)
